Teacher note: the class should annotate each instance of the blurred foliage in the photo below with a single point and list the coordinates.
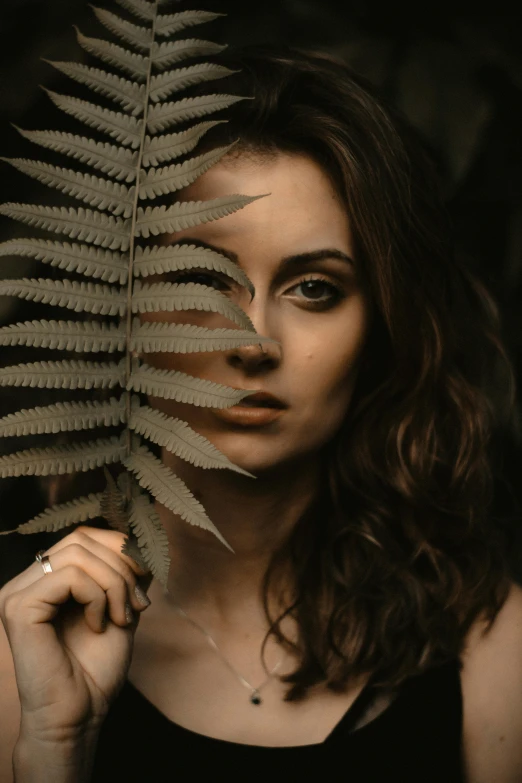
(455, 72)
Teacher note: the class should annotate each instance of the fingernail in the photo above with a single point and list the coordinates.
(129, 614)
(142, 596)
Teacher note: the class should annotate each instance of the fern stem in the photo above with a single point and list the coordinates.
(130, 285)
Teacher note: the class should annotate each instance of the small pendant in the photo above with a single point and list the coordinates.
(255, 698)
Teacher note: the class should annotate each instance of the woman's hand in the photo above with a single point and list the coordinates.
(71, 633)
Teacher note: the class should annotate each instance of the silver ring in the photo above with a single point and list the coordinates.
(44, 561)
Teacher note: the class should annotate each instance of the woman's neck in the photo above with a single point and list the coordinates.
(255, 516)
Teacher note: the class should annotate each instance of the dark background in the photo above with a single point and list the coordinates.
(453, 70)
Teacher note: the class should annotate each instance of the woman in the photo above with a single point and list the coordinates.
(366, 617)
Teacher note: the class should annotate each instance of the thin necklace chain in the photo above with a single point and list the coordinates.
(255, 697)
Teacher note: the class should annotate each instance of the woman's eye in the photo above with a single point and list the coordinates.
(314, 289)
(317, 292)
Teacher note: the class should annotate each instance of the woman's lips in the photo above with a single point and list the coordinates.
(248, 415)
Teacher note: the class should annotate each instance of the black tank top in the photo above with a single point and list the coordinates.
(416, 739)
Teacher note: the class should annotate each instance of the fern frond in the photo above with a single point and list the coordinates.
(177, 437)
(122, 127)
(175, 385)
(186, 214)
(63, 515)
(151, 536)
(81, 336)
(106, 250)
(65, 374)
(169, 489)
(162, 116)
(97, 192)
(83, 224)
(136, 35)
(113, 505)
(80, 297)
(84, 259)
(64, 417)
(63, 459)
(160, 182)
(171, 52)
(169, 297)
(188, 338)
(117, 162)
(129, 94)
(168, 24)
(131, 62)
(140, 8)
(163, 85)
(161, 149)
(159, 260)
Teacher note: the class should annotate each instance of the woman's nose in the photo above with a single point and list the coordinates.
(265, 356)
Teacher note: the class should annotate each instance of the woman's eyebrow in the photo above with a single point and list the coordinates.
(286, 262)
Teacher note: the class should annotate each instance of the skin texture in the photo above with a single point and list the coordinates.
(313, 371)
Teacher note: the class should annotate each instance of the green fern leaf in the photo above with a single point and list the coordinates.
(160, 182)
(81, 336)
(129, 94)
(131, 62)
(188, 338)
(97, 192)
(170, 297)
(62, 459)
(186, 214)
(122, 127)
(80, 297)
(141, 8)
(165, 84)
(66, 374)
(64, 417)
(83, 224)
(169, 24)
(117, 162)
(83, 259)
(174, 385)
(161, 149)
(160, 260)
(169, 489)
(177, 437)
(63, 515)
(164, 115)
(138, 36)
(151, 537)
(165, 54)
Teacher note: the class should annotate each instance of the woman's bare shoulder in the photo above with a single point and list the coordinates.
(491, 678)
(9, 708)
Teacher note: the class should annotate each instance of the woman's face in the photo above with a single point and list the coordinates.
(320, 325)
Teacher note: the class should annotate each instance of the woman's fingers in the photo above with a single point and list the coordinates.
(120, 563)
(96, 552)
(116, 583)
(112, 540)
(40, 601)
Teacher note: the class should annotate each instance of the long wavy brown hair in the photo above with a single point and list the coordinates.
(399, 553)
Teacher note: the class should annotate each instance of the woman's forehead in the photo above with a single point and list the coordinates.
(299, 203)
